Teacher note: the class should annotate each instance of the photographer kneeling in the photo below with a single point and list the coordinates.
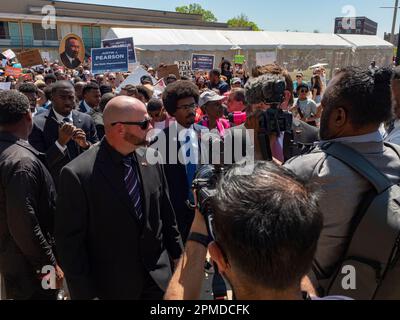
(265, 227)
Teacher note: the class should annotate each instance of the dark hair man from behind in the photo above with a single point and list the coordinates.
(266, 227)
(355, 103)
(30, 90)
(27, 205)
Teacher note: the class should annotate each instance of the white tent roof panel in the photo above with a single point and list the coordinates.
(366, 42)
(221, 40)
(303, 40)
(173, 39)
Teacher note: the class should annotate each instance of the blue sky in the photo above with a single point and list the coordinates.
(278, 15)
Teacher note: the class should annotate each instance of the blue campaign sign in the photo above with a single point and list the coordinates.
(122, 42)
(109, 60)
(202, 61)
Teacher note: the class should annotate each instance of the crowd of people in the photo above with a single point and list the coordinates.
(77, 191)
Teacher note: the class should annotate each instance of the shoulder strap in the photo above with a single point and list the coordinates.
(369, 225)
(357, 162)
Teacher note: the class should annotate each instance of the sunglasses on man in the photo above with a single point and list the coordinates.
(142, 124)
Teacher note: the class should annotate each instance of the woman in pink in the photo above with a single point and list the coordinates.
(211, 103)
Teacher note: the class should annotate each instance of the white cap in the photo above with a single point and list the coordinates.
(208, 96)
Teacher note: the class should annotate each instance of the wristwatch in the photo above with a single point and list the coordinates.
(199, 238)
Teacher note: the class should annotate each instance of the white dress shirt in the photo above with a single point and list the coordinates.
(61, 118)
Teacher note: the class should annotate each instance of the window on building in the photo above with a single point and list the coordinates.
(4, 33)
(39, 33)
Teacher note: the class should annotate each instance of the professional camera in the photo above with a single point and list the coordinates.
(204, 186)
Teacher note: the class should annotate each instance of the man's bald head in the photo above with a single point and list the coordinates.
(124, 136)
(123, 108)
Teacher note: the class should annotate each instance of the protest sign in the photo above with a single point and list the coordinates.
(3, 62)
(165, 71)
(9, 54)
(30, 58)
(10, 71)
(202, 61)
(72, 51)
(264, 58)
(5, 85)
(122, 42)
(185, 69)
(239, 59)
(134, 78)
(45, 55)
(113, 59)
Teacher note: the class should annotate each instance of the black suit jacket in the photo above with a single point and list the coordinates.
(27, 207)
(102, 247)
(45, 134)
(75, 63)
(177, 182)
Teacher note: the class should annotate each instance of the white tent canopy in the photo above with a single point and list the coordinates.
(173, 39)
(366, 42)
(247, 40)
(303, 40)
(222, 40)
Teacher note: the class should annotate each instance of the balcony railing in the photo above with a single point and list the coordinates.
(28, 42)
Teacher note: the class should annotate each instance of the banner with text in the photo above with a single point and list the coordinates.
(202, 61)
(122, 42)
(114, 59)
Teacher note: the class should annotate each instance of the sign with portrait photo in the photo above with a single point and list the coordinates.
(72, 51)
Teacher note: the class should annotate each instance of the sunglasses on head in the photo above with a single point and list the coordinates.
(142, 124)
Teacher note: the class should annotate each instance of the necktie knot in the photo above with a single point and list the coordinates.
(127, 161)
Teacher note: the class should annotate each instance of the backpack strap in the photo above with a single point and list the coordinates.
(370, 225)
(357, 162)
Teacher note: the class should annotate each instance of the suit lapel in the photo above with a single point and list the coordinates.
(115, 176)
(76, 119)
(145, 179)
(50, 130)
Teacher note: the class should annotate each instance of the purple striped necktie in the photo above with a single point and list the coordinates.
(133, 185)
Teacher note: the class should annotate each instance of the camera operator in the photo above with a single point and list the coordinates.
(277, 135)
(263, 248)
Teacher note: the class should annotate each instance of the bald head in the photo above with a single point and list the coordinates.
(126, 113)
(123, 108)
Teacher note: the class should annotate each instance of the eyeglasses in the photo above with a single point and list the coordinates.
(303, 91)
(298, 77)
(142, 124)
(187, 106)
(111, 78)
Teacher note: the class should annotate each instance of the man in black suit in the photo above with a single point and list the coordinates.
(61, 132)
(27, 205)
(115, 226)
(70, 57)
(180, 100)
(91, 97)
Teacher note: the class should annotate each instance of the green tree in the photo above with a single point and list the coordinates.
(195, 8)
(242, 21)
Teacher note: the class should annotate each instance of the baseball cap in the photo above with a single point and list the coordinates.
(236, 80)
(146, 79)
(209, 96)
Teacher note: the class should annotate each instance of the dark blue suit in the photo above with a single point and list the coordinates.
(45, 134)
(178, 183)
